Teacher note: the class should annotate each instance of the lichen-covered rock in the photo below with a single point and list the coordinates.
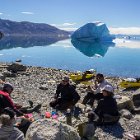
(48, 129)
(126, 114)
(15, 67)
(8, 74)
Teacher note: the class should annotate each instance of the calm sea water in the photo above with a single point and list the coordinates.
(121, 58)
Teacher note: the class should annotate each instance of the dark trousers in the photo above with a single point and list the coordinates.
(103, 120)
(90, 97)
(61, 104)
(26, 110)
(24, 125)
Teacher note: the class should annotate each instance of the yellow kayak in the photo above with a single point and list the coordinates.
(87, 83)
(127, 83)
(81, 77)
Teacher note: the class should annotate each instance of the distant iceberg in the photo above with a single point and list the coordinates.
(93, 32)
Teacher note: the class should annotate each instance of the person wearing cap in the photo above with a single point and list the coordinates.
(87, 129)
(66, 96)
(107, 109)
(95, 93)
(7, 130)
(6, 101)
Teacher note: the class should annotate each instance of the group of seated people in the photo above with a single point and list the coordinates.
(65, 97)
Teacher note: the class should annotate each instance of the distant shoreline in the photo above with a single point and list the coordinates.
(70, 71)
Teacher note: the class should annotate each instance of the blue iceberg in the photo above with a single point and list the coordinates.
(93, 32)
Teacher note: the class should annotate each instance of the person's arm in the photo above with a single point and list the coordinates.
(90, 89)
(95, 84)
(18, 112)
(75, 94)
(9, 102)
(99, 107)
(58, 90)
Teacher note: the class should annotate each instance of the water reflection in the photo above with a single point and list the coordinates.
(92, 49)
(25, 42)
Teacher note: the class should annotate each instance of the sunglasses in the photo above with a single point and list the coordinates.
(64, 81)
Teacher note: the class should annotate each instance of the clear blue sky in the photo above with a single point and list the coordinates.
(73, 13)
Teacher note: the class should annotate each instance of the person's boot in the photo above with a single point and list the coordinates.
(36, 108)
(31, 103)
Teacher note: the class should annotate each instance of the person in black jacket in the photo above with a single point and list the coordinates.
(66, 96)
(107, 109)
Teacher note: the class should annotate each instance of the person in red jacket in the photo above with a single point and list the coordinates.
(6, 101)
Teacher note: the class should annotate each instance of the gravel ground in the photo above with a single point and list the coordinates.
(39, 84)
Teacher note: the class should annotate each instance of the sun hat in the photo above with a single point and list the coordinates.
(108, 88)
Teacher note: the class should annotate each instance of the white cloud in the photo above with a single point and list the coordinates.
(121, 30)
(128, 30)
(1, 13)
(68, 29)
(54, 25)
(65, 26)
(27, 13)
(68, 24)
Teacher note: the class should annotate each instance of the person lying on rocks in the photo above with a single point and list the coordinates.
(87, 129)
(7, 129)
(95, 93)
(107, 109)
(6, 101)
(66, 96)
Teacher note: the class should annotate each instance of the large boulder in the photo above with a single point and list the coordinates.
(126, 114)
(93, 32)
(48, 129)
(125, 103)
(136, 98)
(2, 77)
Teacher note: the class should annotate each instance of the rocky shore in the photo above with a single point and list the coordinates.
(39, 84)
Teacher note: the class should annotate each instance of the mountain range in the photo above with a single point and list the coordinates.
(24, 28)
